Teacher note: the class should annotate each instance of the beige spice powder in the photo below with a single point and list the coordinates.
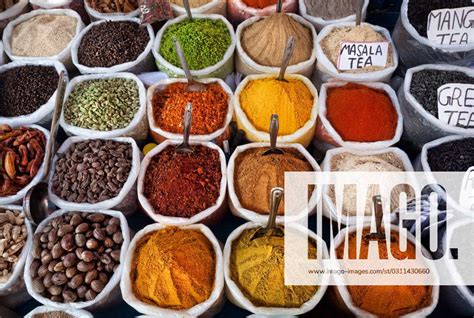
(43, 35)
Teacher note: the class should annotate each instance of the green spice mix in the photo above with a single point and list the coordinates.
(103, 104)
(204, 42)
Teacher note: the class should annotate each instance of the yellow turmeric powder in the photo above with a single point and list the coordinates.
(173, 268)
(291, 100)
(256, 266)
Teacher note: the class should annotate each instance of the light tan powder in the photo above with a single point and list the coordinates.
(331, 44)
(43, 35)
(192, 3)
(385, 162)
(265, 40)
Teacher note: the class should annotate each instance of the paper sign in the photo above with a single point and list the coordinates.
(456, 104)
(451, 26)
(356, 55)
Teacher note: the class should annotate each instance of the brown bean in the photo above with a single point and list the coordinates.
(65, 229)
(48, 280)
(85, 267)
(71, 271)
(92, 244)
(90, 276)
(43, 270)
(55, 290)
(70, 260)
(59, 279)
(34, 266)
(82, 228)
(76, 219)
(59, 267)
(97, 285)
(69, 296)
(87, 256)
(96, 217)
(67, 242)
(57, 251)
(90, 295)
(117, 237)
(80, 239)
(76, 281)
(99, 234)
(81, 291)
(53, 236)
(38, 285)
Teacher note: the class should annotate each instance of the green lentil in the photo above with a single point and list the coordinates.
(102, 104)
(204, 42)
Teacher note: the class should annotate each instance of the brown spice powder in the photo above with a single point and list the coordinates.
(183, 184)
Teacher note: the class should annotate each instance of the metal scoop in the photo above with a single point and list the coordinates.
(35, 203)
(187, 7)
(271, 229)
(274, 126)
(193, 85)
(287, 54)
(279, 6)
(360, 5)
(185, 146)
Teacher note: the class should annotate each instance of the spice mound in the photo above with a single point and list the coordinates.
(102, 104)
(291, 100)
(192, 3)
(13, 234)
(116, 6)
(4, 5)
(92, 171)
(385, 300)
(369, 111)
(331, 44)
(419, 10)
(255, 175)
(43, 35)
(173, 268)
(456, 155)
(75, 256)
(256, 266)
(265, 40)
(209, 108)
(260, 4)
(21, 156)
(331, 10)
(183, 184)
(204, 42)
(24, 89)
(112, 43)
(386, 162)
(424, 87)
(53, 314)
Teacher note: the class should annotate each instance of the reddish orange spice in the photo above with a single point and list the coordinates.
(360, 113)
(209, 108)
(260, 4)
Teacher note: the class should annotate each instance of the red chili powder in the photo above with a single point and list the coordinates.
(360, 113)
(260, 4)
(183, 184)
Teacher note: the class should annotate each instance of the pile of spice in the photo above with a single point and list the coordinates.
(386, 162)
(192, 3)
(13, 234)
(291, 100)
(255, 175)
(204, 42)
(173, 268)
(265, 40)
(385, 300)
(92, 171)
(455, 155)
(53, 314)
(21, 155)
(424, 86)
(369, 111)
(112, 43)
(210, 108)
(331, 44)
(256, 266)
(183, 184)
(43, 35)
(102, 104)
(75, 255)
(115, 6)
(24, 89)
(260, 4)
(331, 10)
(6, 4)
(419, 10)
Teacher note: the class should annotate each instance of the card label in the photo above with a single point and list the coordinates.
(456, 104)
(451, 26)
(356, 55)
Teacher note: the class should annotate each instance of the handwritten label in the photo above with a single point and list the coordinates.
(451, 26)
(356, 55)
(456, 104)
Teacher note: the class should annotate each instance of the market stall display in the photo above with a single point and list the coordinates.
(241, 10)
(200, 7)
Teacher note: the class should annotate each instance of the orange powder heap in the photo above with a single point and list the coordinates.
(260, 4)
(386, 301)
(360, 113)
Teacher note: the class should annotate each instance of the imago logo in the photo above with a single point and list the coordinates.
(382, 228)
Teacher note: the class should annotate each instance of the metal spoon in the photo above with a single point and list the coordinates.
(35, 203)
(193, 85)
(271, 229)
(279, 6)
(289, 48)
(274, 126)
(185, 147)
(379, 235)
(187, 7)
(360, 5)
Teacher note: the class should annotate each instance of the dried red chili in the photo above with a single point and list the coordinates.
(183, 184)
(209, 108)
